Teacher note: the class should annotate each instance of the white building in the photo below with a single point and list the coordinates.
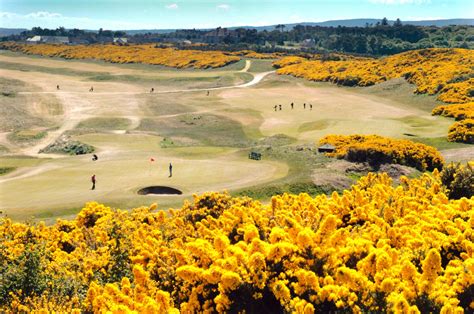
(48, 40)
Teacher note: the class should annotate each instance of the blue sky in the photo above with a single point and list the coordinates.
(149, 14)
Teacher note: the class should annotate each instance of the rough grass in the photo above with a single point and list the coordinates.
(314, 125)
(301, 160)
(184, 82)
(49, 70)
(3, 149)
(203, 129)
(258, 66)
(440, 143)
(154, 105)
(416, 122)
(20, 112)
(401, 91)
(26, 136)
(6, 170)
(104, 123)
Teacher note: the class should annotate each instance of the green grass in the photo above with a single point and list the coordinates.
(298, 180)
(179, 82)
(440, 143)
(21, 161)
(3, 149)
(164, 105)
(104, 123)
(314, 125)
(24, 136)
(6, 170)
(267, 191)
(401, 91)
(45, 69)
(203, 129)
(261, 66)
(416, 122)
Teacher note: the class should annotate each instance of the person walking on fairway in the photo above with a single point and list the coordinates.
(280, 106)
(57, 87)
(152, 90)
(93, 182)
(310, 106)
(207, 93)
(275, 107)
(91, 89)
(171, 170)
(292, 104)
(304, 105)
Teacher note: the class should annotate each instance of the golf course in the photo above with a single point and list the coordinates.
(139, 118)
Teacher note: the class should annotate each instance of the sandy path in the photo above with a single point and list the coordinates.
(248, 63)
(457, 154)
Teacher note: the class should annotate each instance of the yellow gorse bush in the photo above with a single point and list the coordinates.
(147, 54)
(458, 112)
(378, 149)
(375, 247)
(462, 131)
(436, 70)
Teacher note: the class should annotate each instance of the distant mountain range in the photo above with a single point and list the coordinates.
(333, 23)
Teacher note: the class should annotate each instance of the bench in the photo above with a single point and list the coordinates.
(255, 156)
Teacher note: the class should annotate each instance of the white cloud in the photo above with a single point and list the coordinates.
(223, 7)
(172, 6)
(42, 15)
(53, 20)
(400, 2)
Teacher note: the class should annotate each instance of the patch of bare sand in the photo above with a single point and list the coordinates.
(459, 154)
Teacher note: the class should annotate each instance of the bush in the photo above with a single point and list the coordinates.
(377, 150)
(462, 131)
(458, 180)
(358, 251)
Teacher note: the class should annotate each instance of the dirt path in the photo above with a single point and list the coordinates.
(458, 154)
(248, 63)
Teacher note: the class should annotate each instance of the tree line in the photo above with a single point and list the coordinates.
(376, 39)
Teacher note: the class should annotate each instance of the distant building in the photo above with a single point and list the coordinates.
(120, 40)
(79, 41)
(326, 148)
(48, 40)
(308, 43)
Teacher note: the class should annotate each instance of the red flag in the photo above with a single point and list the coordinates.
(152, 159)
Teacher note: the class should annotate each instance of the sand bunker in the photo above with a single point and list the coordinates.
(162, 190)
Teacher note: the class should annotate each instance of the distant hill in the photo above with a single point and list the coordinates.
(332, 23)
(363, 22)
(11, 31)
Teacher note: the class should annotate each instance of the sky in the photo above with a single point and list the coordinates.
(173, 14)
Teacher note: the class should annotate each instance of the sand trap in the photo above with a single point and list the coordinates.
(162, 190)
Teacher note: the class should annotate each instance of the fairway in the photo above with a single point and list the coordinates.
(205, 122)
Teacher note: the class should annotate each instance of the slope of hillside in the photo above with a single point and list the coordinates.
(147, 54)
(375, 247)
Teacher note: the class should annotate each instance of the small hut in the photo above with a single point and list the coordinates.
(326, 148)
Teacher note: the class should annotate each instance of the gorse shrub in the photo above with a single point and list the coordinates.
(375, 247)
(458, 180)
(147, 54)
(462, 131)
(377, 150)
(432, 71)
